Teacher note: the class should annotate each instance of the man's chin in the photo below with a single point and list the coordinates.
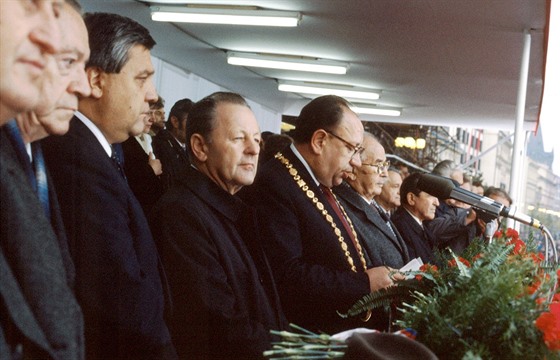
(136, 131)
(58, 129)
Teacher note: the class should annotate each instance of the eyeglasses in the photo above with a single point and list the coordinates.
(381, 167)
(157, 112)
(358, 149)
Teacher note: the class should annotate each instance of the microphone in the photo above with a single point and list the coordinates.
(444, 188)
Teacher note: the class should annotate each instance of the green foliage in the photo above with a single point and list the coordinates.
(383, 298)
(478, 306)
(305, 344)
(484, 315)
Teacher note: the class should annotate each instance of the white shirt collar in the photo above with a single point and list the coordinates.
(300, 157)
(95, 130)
(183, 145)
(145, 140)
(415, 218)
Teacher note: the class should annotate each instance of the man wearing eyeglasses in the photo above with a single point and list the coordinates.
(381, 242)
(312, 245)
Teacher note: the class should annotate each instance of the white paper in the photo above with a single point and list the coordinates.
(346, 334)
(413, 265)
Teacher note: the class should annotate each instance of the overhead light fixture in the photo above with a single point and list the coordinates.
(347, 92)
(375, 111)
(410, 142)
(284, 126)
(285, 62)
(228, 16)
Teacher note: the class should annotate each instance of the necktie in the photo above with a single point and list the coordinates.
(117, 162)
(36, 172)
(334, 204)
(41, 177)
(384, 216)
(13, 133)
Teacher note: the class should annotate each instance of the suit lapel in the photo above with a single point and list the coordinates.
(180, 151)
(371, 214)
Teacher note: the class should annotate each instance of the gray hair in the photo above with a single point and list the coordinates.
(445, 168)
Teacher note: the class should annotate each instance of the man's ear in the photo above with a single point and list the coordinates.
(410, 199)
(318, 141)
(199, 147)
(175, 122)
(96, 79)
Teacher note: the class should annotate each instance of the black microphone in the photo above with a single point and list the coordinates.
(444, 188)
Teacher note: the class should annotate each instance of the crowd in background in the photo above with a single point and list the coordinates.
(128, 235)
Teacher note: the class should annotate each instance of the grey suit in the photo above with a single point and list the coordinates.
(380, 245)
(40, 317)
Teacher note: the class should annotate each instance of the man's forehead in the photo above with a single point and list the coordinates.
(74, 36)
(395, 176)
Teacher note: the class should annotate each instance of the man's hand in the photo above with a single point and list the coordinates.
(155, 164)
(471, 216)
(379, 277)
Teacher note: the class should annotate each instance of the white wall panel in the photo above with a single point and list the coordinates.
(173, 84)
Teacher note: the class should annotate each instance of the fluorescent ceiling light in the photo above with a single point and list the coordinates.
(284, 126)
(284, 62)
(375, 111)
(348, 92)
(228, 16)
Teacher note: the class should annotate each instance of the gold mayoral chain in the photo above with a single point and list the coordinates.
(321, 208)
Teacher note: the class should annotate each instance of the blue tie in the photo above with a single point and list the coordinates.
(36, 172)
(41, 177)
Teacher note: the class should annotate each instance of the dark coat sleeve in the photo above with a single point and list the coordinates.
(449, 230)
(144, 183)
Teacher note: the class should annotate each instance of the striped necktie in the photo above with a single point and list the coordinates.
(384, 216)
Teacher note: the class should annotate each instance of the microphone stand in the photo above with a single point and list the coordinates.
(549, 240)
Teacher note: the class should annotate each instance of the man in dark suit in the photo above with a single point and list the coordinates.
(380, 241)
(314, 253)
(416, 207)
(169, 144)
(142, 169)
(40, 317)
(28, 34)
(117, 279)
(224, 298)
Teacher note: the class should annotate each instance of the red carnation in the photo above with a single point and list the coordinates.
(512, 233)
(519, 246)
(549, 324)
(465, 262)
